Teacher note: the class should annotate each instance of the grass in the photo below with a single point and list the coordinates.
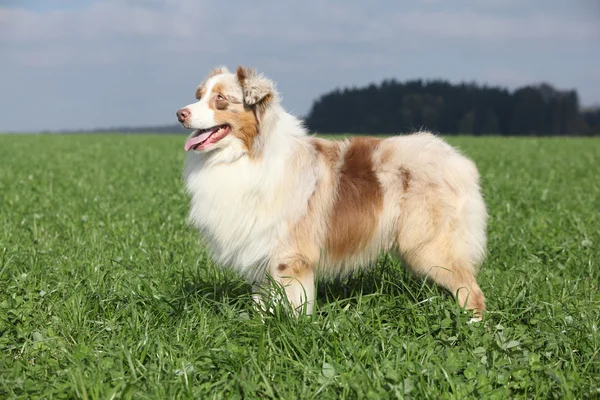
(104, 292)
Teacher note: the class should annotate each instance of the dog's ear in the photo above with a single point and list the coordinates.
(258, 90)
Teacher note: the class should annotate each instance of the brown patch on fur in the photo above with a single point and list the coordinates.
(240, 117)
(244, 73)
(406, 178)
(221, 105)
(218, 89)
(246, 128)
(359, 200)
(200, 92)
(293, 268)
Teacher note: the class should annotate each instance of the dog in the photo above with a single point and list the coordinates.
(280, 206)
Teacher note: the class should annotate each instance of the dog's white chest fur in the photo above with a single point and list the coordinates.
(243, 209)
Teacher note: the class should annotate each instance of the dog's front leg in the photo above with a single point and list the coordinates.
(297, 278)
(293, 279)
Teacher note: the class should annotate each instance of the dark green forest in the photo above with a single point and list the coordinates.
(393, 107)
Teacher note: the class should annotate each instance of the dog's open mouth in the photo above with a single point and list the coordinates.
(203, 138)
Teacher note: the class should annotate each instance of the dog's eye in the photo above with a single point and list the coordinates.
(220, 97)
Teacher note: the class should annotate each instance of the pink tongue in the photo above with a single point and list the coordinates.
(193, 141)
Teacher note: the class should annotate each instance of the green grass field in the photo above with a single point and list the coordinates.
(105, 294)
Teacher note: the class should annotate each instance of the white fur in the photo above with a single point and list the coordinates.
(243, 207)
(202, 116)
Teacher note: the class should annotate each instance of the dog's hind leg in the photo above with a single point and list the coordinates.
(455, 275)
(445, 242)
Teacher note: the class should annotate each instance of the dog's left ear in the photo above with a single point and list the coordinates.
(258, 90)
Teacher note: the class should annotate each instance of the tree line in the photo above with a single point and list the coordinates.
(394, 107)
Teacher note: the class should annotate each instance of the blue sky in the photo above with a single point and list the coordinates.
(80, 64)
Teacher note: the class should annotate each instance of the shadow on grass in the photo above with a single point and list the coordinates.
(387, 277)
(218, 288)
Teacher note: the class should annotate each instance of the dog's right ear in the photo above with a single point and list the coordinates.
(258, 90)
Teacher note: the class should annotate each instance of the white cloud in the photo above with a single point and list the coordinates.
(123, 47)
(480, 27)
(188, 25)
(99, 21)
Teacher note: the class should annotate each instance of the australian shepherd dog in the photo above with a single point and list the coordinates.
(281, 207)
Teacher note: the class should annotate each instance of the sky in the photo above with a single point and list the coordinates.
(85, 64)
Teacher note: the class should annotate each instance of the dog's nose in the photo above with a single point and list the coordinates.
(183, 114)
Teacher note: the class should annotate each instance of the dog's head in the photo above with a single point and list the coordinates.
(229, 110)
